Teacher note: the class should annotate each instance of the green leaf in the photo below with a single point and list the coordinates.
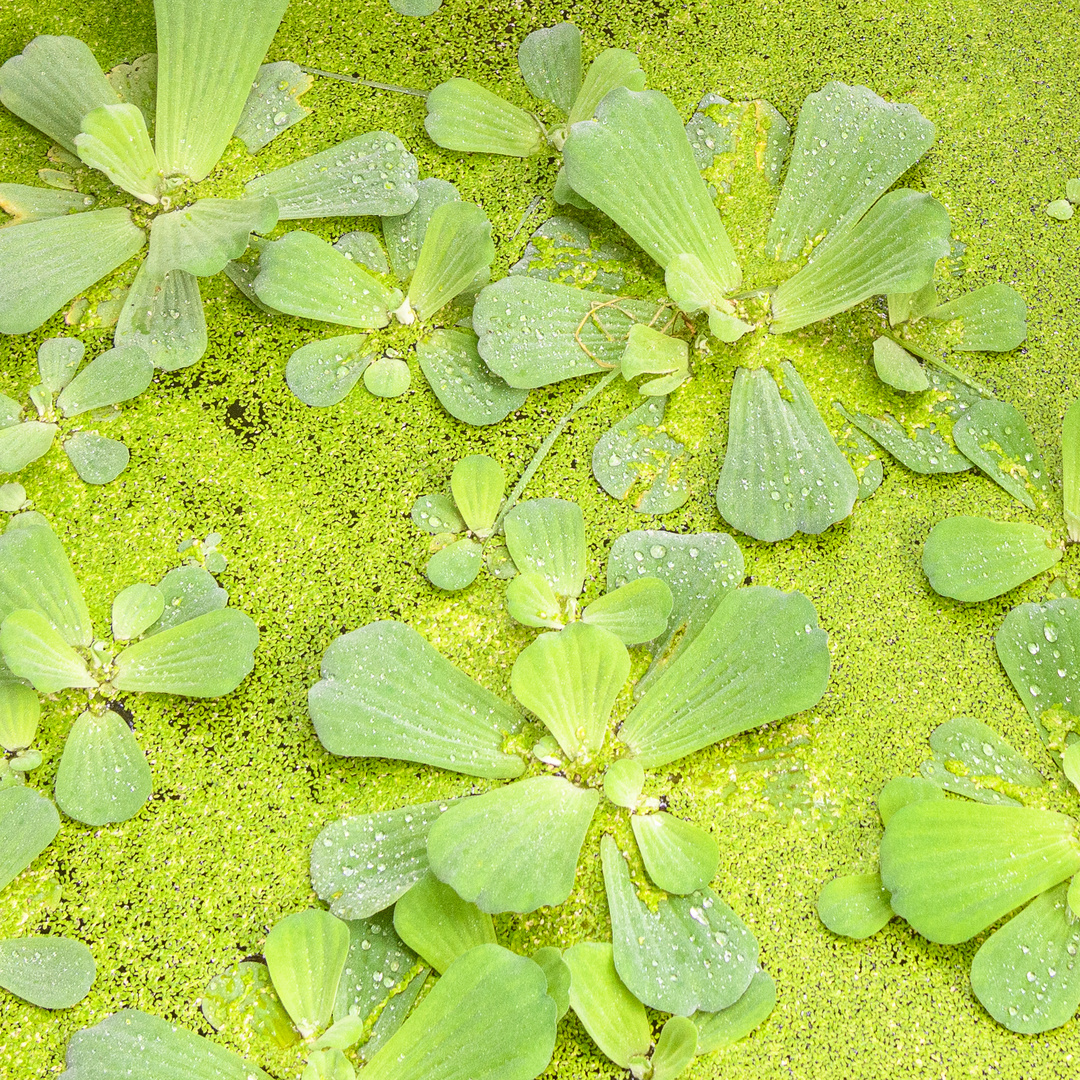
(44, 264)
(1025, 974)
(361, 865)
(190, 591)
(377, 962)
(20, 712)
(892, 249)
(972, 559)
(719, 1029)
(404, 233)
(242, 1002)
(103, 776)
(488, 1018)
(58, 360)
(954, 867)
(637, 459)
(516, 847)
(531, 602)
(385, 692)
(10, 412)
(35, 651)
(864, 459)
(910, 307)
(437, 514)
(921, 447)
(994, 318)
(21, 444)
(726, 136)
(570, 680)
(550, 63)
(759, 658)
(783, 473)
(207, 656)
(635, 612)
(306, 954)
(368, 174)
(50, 972)
(12, 497)
(477, 483)
(901, 790)
(393, 1015)
(25, 203)
(679, 857)
(208, 59)
(565, 251)
(854, 906)
(321, 373)
(613, 1017)
(95, 458)
(114, 140)
(675, 1048)
(1070, 469)
(329, 1064)
(635, 163)
(612, 68)
(457, 247)
(455, 566)
(273, 104)
(438, 925)
(364, 249)
(623, 782)
(850, 147)
(547, 536)
(28, 823)
(896, 367)
(416, 9)
(691, 953)
(387, 377)
(115, 376)
(558, 976)
(203, 238)
(1060, 209)
(53, 84)
(301, 274)
(462, 115)
(461, 381)
(163, 316)
(994, 436)
(650, 351)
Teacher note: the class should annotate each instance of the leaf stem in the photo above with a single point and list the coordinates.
(355, 79)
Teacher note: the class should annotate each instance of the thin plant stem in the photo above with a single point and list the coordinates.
(356, 80)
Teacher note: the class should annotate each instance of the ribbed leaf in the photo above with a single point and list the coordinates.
(675, 1048)
(955, 867)
(115, 376)
(364, 249)
(273, 104)
(972, 559)
(635, 612)
(301, 274)
(783, 473)
(438, 925)
(135, 610)
(565, 251)
(570, 680)
(204, 237)
(892, 249)
(855, 905)
(462, 115)
(207, 656)
(377, 962)
(691, 952)
(1070, 470)
(404, 233)
(896, 367)
(368, 174)
(21, 444)
(623, 782)
(163, 316)
(28, 823)
(58, 360)
(635, 163)
(679, 857)
(25, 203)
(43, 264)
(850, 147)
(35, 651)
(477, 483)
(114, 139)
(547, 536)
(922, 448)
(20, 711)
(994, 318)
(385, 692)
(53, 84)
(190, 591)
(457, 247)
(515, 848)
(611, 68)
(759, 658)
(531, 602)
(95, 458)
(455, 566)
(208, 58)
(322, 373)
(719, 1029)
(550, 63)
(910, 307)
(50, 972)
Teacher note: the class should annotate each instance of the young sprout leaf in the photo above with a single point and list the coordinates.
(896, 367)
(364, 249)
(50, 972)
(328, 1064)
(378, 960)
(995, 436)
(387, 377)
(922, 449)
(321, 373)
(455, 566)
(462, 115)
(691, 953)
(649, 351)
(163, 316)
(58, 360)
(457, 247)
(28, 823)
(1060, 209)
(516, 847)
(570, 680)
(558, 976)
(850, 147)
(679, 857)
(901, 790)
(438, 925)
(21, 444)
(462, 382)
(20, 711)
(759, 658)
(954, 867)
(53, 84)
(95, 458)
(206, 656)
(635, 163)
(369, 174)
(565, 251)
(1070, 470)
(301, 274)
(635, 612)
(385, 692)
(783, 473)
(135, 610)
(547, 537)
(437, 514)
(892, 249)
(611, 68)
(208, 58)
(550, 63)
(994, 318)
(719, 1029)
(404, 233)
(675, 1048)
(44, 264)
(26, 203)
(273, 104)
(114, 140)
(33, 650)
(361, 865)
(972, 559)
(477, 484)
(623, 782)
(611, 1014)
(115, 376)
(531, 602)
(910, 307)
(103, 776)
(855, 905)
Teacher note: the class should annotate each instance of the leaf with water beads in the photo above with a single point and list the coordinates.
(612, 68)
(855, 905)
(206, 236)
(565, 251)
(995, 436)
(115, 141)
(50, 972)
(35, 651)
(973, 559)
(364, 249)
(20, 711)
(377, 962)
(1070, 470)
(115, 376)
(387, 377)
(28, 823)
(25, 203)
(719, 1029)
(954, 867)
(635, 612)
(321, 373)
(163, 316)
(135, 610)
(437, 514)
(95, 458)
(273, 104)
(189, 591)
(58, 360)
(547, 537)
(679, 857)
(22, 444)
(994, 318)
(10, 412)
(896, 367)
(723, 134)
(864, 459)
(455, 566)
(404, 233)
(457, 248)
(438, 925)
(550, 63)
(531, 602)
(783, 473)
(850, 147)
(463, 115)
(516, 847)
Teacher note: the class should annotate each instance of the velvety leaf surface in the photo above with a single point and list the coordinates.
(434, 922)
(203, 238)
(547, 537)
(117, 375)
(163, 316)
(322, 373)
(719, 1029)
(273, 104)
(114, 139)
(20, 712)
(550, 63)
(95, 458)
(363, 248)
(1070, 470)
(462, 115)
(679, 857)
(50, 972)
(25, 203)
(436, 514)
(635, 612)
(462, 382)
(531, 602)
(623, 781)
(910, 307)
(994, 318)
(855, 905)
(28, 823)
(58, 360)
(20, 444)
(457, 247)
(558, 976)
(404, 233)
(611, 68)
(33, 650)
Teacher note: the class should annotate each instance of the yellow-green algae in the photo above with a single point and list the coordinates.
(313, 507)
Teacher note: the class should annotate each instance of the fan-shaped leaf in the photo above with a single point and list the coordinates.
(921, 447)
(95, 458)
(565, 251)
(896, 367)
(163, 316)
(404, 233)
(901, 790)
(117, 375)
(28, 823)
(20, 712)
(364, 249)
(547, 537)
(58, 360)
(135, 610)
(635, 612)
(719, 1029)
(35, 651)
(322, 373)
(461, 381)
(531, 602)
(114, 139)
(994, 318)
(462, 115)
(273, 104)
(438, 925)
(202, 238)
(550, 63)
(855, 905)
(21, 444)
(675, 1048)
(50, 972)
(437, 514)
(679, 857)
(190, 591)
(611, 68)
(26, 203)
(457, 247)
(477, 483)
(377, 962)
(623, 782)
(455, 566)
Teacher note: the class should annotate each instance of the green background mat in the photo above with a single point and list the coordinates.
(313, 509)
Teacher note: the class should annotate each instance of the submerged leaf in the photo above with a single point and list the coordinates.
(457, 247)
(28, 823)
(635, 612)
(114, 139)
(462, 115)
(273, 104)
(206, 236)
(726, 136)
(321, 373)
(163, 316)
(22, 444)
(547, 537)
(438, 925)
(910, 307)
(855, 905)
(35, 651)
(550, 63)
(565, 251)
(896, 367)
(115, 376)
(25, 203)
(679, 857)
(994, 318)
(50, 972)
(719, 1029)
